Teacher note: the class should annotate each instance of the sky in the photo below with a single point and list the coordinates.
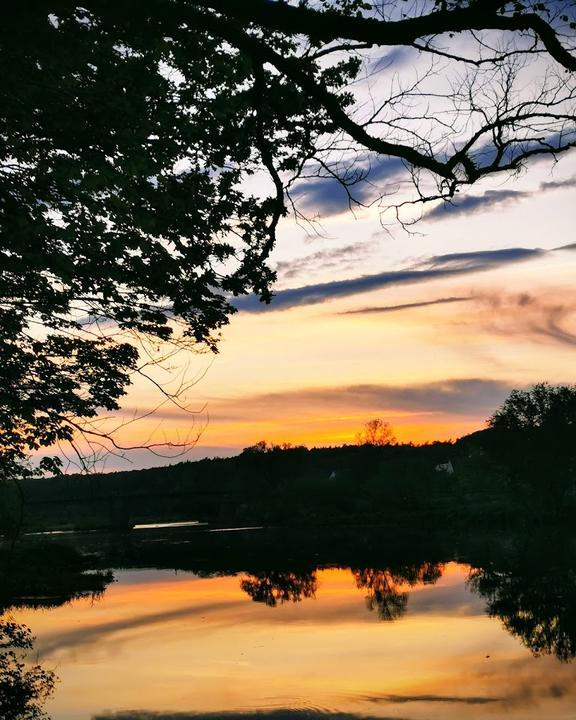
(428, 330)
(427, 327)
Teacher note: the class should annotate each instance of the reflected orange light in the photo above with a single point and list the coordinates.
(169, 642)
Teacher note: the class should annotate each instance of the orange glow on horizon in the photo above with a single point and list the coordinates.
(326, 432)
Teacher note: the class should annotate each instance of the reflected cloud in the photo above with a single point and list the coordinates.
(402, 699)
(280, 714)
(103, 631)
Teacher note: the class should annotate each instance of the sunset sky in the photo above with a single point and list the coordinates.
(428, 329)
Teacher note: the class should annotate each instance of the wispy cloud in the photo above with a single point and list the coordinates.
(546, 317)
(361, 185)
(406, 306)
(571, 246)
(559, 184)
(467, 397)
(470, 204)
(328, 259)
(475, 203)
(433, 268)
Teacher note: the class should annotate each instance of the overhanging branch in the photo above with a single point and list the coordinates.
(329, 26)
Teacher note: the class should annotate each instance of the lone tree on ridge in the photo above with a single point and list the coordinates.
(376, 432)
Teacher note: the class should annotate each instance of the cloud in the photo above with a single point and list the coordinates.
(360, 184)
(405, 306)
(527, 316)
(456, 396)
(549, 325)
(470, 204)
(571, 246)
(325, 259)
(439, 266)
(475, 203)
(482, 259)
(558, 184)
(395, 58)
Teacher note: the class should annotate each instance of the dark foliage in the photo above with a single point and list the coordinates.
(533, 435)
(532, 589)
(46, 576)
(277, 587)
(23, 688)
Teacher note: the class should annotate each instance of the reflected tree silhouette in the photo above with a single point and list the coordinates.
(45, 577)
(23, 687)
(384, 593)
(277, 586)
(536, 606)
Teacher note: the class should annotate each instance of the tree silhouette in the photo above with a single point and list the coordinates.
(376, 432)
(46, 576)
(536, 604)
(278, 586)
(23, 688)
(534, 435)
(128, 135)
(382, 585)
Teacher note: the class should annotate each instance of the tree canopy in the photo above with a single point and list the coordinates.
(543, 408)
(534, 433)
(149, 151)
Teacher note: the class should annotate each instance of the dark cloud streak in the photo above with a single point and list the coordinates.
(471, 204)
(406, 306)
(434, 268)
(326, 196)
(475, 203)
(462, 396)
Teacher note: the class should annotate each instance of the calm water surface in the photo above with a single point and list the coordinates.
(410, 643)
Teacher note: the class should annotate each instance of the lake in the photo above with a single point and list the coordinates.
(425, 632)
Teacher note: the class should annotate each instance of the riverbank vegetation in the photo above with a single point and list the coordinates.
(521, 469)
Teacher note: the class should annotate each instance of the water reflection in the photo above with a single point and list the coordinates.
(193, 641)
(386, 587)
(536, 602)
(282, 714)
(39, 578)
(45, 576)
(385, 593)
(274, 587)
